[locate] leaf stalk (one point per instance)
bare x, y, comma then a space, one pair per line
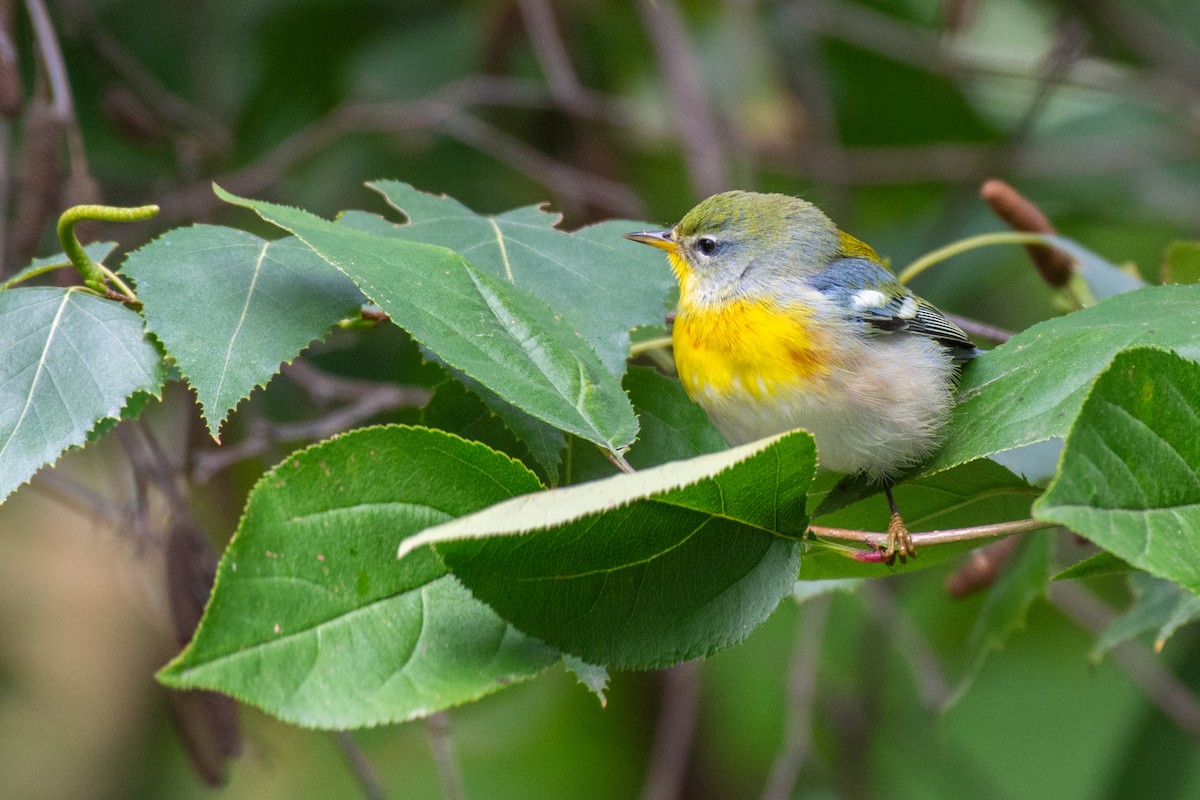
96, 276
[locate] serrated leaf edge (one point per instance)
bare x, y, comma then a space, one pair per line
177, 664
574, 502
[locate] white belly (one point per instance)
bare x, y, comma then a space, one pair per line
880, 414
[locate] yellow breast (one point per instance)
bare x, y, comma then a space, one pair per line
752, 347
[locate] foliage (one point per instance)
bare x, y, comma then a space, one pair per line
486, 392
313, 617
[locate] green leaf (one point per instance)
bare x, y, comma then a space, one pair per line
1030, 388
647, 569
672, 426
1158, 604
544, 442
804, 590
602, 284
1130, 473
1181, 263
593, 677
1102, 563
68, 360
97, 251
978, 493
313, 620
1103, 278
456, 409
230, 307
492, 331
1022, 581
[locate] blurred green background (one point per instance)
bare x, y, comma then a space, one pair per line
889, 114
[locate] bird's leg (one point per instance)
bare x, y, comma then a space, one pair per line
899, 542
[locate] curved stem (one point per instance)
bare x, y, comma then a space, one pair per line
650, 344
618, 460
25, 275
970, 243
94, 275
121, 285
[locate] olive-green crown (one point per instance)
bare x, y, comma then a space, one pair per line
759, 217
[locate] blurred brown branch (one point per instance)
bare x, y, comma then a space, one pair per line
363, 400
692, 117
795, 749
1171, 695
442, 111
666, 773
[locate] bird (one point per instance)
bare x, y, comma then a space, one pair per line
784, 321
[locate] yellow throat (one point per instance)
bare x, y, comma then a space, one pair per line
753, 346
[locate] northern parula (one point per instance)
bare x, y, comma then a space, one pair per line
786, 322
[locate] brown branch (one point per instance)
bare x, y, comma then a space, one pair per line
360, 767
39, 180
562, 178
910, 643
148, 89
674, 733
441, 111
801, 693
10, 70
889, 164
441, 745
54, 483
917, 46
1159, 685
552, 57
692, 115
981, 329
51, 57
926, 538
1157, 43
367, 399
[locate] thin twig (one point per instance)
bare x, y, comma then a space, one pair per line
442, 110
674, 733
892, 164
54, 483
360, 767
552, 56
441, 745
370, 399
564, 179
5, 190
692, 113
1157, 43
617, 460
927, 538
56, 69
981, 329
150, 460
1159, 685
165, 103
910, 643
887, 35
801, 692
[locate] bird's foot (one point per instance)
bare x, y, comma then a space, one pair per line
899, 542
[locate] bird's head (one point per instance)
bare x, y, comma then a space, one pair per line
735, 242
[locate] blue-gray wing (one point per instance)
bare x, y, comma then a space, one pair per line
872, 294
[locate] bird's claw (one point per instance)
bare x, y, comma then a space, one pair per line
899, 542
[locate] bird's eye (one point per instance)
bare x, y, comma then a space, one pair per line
706, 245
